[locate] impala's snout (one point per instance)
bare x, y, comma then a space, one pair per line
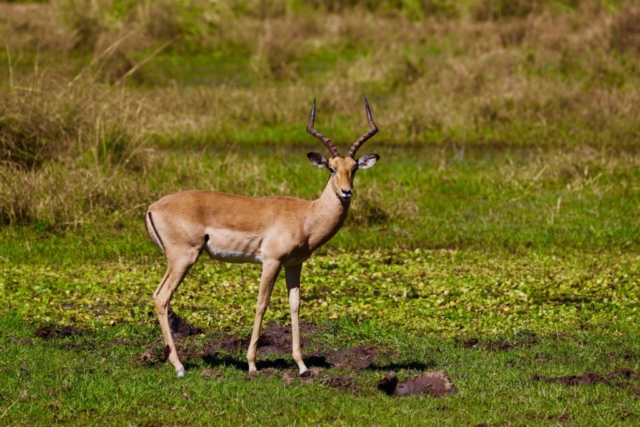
346, 194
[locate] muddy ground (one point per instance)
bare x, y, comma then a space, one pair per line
337, 368
228, 349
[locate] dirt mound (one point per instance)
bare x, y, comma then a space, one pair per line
360, 357
435, 383
277, 339
55, 331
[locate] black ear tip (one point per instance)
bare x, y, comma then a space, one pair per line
310, 155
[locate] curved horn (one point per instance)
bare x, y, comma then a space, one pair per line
326, 141
373, 129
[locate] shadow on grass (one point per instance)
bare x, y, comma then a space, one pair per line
313, 361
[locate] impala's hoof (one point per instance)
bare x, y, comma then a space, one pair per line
305, 374
180, 374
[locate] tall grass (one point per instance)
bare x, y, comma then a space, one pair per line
114, 103
65, 148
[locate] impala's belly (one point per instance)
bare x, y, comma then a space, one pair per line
227, 246
232, 256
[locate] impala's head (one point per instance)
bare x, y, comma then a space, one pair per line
342, 168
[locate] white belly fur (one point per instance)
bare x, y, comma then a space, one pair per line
231, 256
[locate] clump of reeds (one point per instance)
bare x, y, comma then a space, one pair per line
64, 148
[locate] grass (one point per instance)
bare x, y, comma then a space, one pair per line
446, 292
505, 207
500, 200
81, 380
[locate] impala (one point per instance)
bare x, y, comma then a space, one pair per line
275, 231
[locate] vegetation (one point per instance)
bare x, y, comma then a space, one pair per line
505, 208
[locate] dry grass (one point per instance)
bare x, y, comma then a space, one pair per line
489, 73
67, 148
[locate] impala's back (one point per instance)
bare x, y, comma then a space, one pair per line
228, 227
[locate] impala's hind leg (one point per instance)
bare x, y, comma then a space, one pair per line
176, 271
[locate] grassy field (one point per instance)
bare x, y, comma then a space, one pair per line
497, 239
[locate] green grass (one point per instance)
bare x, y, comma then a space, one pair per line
88, 379
445, 292
496, 200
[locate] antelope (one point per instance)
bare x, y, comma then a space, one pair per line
273, 231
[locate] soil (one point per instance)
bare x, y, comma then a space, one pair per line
277, 339
435, 383
588, 378
523, 340
180, 328
360, 357
221, 350
470, 343
54, 331
212, 373
337, 381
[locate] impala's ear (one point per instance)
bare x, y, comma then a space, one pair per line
368, 160
318, 160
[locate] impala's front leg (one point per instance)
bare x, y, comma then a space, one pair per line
270, 270
292, 275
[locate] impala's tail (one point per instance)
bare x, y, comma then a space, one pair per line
153, 233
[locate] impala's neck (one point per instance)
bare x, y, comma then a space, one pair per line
327, 216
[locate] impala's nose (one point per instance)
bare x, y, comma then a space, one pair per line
346, 194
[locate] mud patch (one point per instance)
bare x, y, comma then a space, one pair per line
499, 346
360, 357
316, 375
154, 354
288, 378
180, 328
218, 350
48, 332
470, 343
273, 340
228, 344
337, 381
212, 373
611, 379
277, 339
435, 384
586, 378
522, 340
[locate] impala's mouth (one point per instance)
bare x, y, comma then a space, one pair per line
345, 195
